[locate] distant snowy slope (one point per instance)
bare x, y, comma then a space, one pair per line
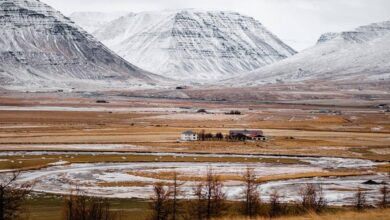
190, 45
91, 21
40, 48
361, 55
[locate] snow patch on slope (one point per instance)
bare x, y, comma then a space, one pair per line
91, 21
361, 55
40, 48
193, 45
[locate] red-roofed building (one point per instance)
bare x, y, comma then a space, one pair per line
256, 135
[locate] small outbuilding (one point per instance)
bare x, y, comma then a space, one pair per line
189, 136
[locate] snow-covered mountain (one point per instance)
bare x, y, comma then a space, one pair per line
40, 48
361, 55
191, 45
91, 21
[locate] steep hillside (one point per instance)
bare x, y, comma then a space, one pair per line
358, 56
40, 48
91, 21
190, 45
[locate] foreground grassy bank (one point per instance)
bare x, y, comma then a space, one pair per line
374, 214
51, 207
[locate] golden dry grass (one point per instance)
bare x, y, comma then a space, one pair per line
310, 175
122, 184
349, 134
377, 214
26, 162
383, 168
168, 175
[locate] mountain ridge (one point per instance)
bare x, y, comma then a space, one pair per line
359, 55
193, 45
91, 20
41, 48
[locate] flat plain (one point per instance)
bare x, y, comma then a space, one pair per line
46, 133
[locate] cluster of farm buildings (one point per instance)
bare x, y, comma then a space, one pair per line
252, 135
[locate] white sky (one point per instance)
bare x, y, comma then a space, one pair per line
299, 23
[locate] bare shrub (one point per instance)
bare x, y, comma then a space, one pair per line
250, 194
78, 206
219, 136
214, 195
197, 207
176, 192
360, 202
12, 196
312, 198
202, 135
210, 199
160, 202
276, 208
384, 190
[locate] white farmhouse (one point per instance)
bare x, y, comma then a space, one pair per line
189, 136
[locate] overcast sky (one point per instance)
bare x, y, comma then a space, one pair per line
298, 22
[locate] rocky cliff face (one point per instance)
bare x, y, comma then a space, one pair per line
358, 56
359, 35
193, 45
41, 48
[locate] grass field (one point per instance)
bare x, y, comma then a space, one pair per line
34, 122
376, 214
358, 132
50, 207
26, 162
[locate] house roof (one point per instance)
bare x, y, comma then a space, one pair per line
252, 133
188, 132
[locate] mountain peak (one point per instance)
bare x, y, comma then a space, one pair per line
91, 21
358, 56
41, 48
193, 45
360, 34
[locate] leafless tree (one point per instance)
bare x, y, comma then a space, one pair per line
210, 198
215, 198
384, 190
176, 192
276, 208
202, 135
78, 206
219, 136
197, 208
252, 201
12, 195
312, 198
360, 199
160, 202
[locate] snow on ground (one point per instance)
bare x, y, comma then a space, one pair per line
121, 177
59, 163
192, 45
62, 177
320, 162
338, 191
78, 147
198, 117
92, 109
86, 176
381, 151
